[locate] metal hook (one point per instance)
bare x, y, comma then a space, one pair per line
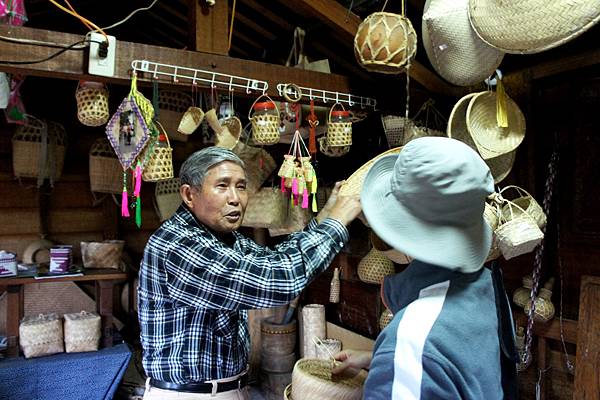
175, 76
231, 84
212, 81
337, 97
155, 75
194, 78
310, 95
248, 87
362, 104
324, 97
350, 102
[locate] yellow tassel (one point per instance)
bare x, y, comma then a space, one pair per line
501, 115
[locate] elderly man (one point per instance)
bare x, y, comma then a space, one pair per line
199, 276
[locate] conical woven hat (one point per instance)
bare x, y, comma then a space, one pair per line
453, 48
457, 129
531, 26
353, 185
490, 139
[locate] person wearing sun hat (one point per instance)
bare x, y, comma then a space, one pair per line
452, 335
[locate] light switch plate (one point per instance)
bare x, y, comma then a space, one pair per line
102, 66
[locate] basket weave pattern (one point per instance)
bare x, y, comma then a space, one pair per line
385, 318
527, 203
106, 172
82, 332
353, 185
167, 197
374, 267
41, 335
311, 379
265, 129
160, 163
92, 105
26, 143
393, 126
105, 254
518, 236
330, 151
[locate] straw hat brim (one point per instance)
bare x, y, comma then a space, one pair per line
460, 248
490, 139
531, 26
353, 185
499, 166
453, 48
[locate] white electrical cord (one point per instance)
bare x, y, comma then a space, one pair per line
129, 16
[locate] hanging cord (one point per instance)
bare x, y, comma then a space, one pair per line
568, 362
231, 25
83, 20
540, 381
539, 251
407, 90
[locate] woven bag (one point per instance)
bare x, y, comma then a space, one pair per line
339, 134
385, 318
526, 202
266, 209
265, 126
259, 165
41, 335
92, 103
167, 198
374, 267
160, 162
312, 379
82, 332
106, 254
517, 235
106, 173
171, 107
385, 43
27, 149
296, 219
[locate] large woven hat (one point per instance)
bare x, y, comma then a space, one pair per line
490, 139
353, 185
457, 129
531, 26
453, 48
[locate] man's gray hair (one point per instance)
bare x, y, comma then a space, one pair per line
194, 169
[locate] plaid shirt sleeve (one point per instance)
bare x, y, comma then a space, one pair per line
204, 272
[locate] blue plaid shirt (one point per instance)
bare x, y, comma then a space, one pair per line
194, 291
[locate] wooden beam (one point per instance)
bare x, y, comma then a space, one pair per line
270, 15
587, 375
570, 63
73, 64
337, 16
262, 32
163, 21
209, 27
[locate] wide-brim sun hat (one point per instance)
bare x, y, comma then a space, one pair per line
353, 185
428, 202
452, 46
457, 129
531, 26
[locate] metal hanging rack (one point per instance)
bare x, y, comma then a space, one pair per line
196, 76
288, 90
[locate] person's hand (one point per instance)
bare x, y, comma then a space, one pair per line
345, 209
324, 213
352, 362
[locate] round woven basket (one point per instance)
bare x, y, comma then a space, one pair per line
160, 162
526, 202
385, 43
191, 120
265, 127
167, 198
389, 252
311, 379
331, 151
106, 173
531, 26
499, 166
339, 134
517, 235
171, 107
385, 318
92, 103
374, 267
453, 48
491, 140
353, 185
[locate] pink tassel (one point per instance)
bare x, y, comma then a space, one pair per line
138, 181
124, 204
295, 186
305, 199
295, 200
283, 184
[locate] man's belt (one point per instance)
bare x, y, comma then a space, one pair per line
201, 387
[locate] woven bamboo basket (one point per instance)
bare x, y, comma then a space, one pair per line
82, 332
311, 379
160, 162
385, 43
374, 267
266, 209
491, 214
27, 148
167, 198
522, 295
171, 107
353, 185
330, 151
104, 255
544, 309
393, 126
41, 335
328, 347
389, 252
265, 126
339, 134
526, 202
191, 120
517, 235
106, 173
385, 318
92, 103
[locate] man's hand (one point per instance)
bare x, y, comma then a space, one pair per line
352, 362
341, 208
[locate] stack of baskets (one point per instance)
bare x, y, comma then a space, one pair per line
277, 356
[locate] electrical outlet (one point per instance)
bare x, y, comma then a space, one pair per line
98, 65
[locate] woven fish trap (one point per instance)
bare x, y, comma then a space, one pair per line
265, 126
531, 26
385, 43
171, 107
331, 151
191, 120
353, 185
167, 198
385, 318
517, 235
311, 379
374, 267
160, 162
82, 332
106, 173
27, 149
393, 127
339, 133
92, 103
41, 335
526, 202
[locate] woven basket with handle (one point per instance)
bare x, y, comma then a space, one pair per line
167, 198
517, 233
265, 126
526, 202
160, 162
339, 134
106, 173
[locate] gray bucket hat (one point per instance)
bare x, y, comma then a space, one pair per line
428, 202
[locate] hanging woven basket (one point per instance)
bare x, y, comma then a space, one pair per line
171, 107
526, 202
167, 198
385, 318
331, 151
159, 164
394, 128
517, 233
265, 126
106, 173
92, 103
339, 133
374, 267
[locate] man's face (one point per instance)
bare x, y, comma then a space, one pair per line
221, 200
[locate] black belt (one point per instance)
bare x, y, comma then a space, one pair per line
201, 387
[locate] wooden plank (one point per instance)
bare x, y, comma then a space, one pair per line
587, 375
26, 220
551, 330
73, 64
349, 339
269, 14
88, 275
17, 243
209, 27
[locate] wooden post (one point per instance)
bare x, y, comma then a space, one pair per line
14, 311
209, 27
104, 306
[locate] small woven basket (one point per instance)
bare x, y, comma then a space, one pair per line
330, 151
41, 335
106, 173
160, 162
526, 202
92, 103
191, 120
517, 235
339, 134
265, 127
105, 254
82, 332
171, 107
374, 267
27, 148
491, 214
393, 126
311, 379
385, 318
167, 198
385, 43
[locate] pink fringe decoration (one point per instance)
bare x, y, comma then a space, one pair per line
124, 205
295, 186
295, 200
282, 184
305, 199
138, 181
